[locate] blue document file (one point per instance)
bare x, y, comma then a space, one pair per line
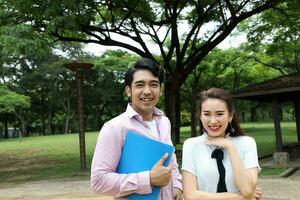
141, 153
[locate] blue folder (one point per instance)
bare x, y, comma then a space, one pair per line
141, 153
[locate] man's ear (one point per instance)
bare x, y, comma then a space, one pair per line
128, 90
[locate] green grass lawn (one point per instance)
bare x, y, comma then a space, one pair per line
263, 133
57, 156
43, 157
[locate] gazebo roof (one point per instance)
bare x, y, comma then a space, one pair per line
284, 88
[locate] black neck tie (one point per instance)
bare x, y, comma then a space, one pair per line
218, 155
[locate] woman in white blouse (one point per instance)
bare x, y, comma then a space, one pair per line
222, 163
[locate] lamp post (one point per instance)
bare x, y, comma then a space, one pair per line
80, 69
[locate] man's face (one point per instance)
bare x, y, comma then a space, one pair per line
144, 92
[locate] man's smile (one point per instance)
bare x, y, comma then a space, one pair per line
146, 99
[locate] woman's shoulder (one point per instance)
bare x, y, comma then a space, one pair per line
244, 140
193, 140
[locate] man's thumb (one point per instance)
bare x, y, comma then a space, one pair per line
163, 159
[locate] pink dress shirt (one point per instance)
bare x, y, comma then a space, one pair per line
108, 150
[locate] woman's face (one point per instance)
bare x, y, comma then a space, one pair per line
215, 117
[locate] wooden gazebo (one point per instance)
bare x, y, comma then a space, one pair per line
276, 91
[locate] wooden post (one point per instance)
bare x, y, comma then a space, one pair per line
297, 116
79, 85
79, 68
276, 119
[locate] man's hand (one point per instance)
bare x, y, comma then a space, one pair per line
177, 194
160, 175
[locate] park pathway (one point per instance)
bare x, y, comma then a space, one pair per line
274, 188
69, 189
277, 188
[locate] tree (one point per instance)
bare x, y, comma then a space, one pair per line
33, 64
107, 82
10, 102
206, 75
275, 37
109, 22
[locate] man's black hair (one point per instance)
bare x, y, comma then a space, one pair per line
145, 64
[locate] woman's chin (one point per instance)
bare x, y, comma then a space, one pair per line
215, 134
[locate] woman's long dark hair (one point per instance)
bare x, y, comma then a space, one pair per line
218, 93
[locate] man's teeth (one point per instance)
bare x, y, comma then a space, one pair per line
146, 99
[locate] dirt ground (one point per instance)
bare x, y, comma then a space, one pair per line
72, 189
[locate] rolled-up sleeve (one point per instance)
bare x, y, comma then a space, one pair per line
176, 176
104, 178
250, 157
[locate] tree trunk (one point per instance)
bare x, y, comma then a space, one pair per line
194, 119
5, 126
172, 109
67, 121
43, 115
24, 128
67, 125
49, 121
253, 116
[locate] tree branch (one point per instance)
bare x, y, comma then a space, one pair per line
106, 42
221, 11
271, 66
242, 5
160, 43
212, 42
198, 23
139, 39
230, 7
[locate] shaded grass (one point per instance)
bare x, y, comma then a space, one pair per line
272, 171
43, 157
264, 135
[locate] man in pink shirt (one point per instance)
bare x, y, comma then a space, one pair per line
143, 87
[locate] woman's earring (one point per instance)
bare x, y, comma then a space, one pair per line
231, 128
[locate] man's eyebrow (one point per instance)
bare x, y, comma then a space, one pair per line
138, 81
142, 81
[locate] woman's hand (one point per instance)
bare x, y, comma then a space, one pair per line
177, 194
257, 194
219, 141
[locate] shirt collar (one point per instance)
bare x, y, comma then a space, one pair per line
205, 136
132, 113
